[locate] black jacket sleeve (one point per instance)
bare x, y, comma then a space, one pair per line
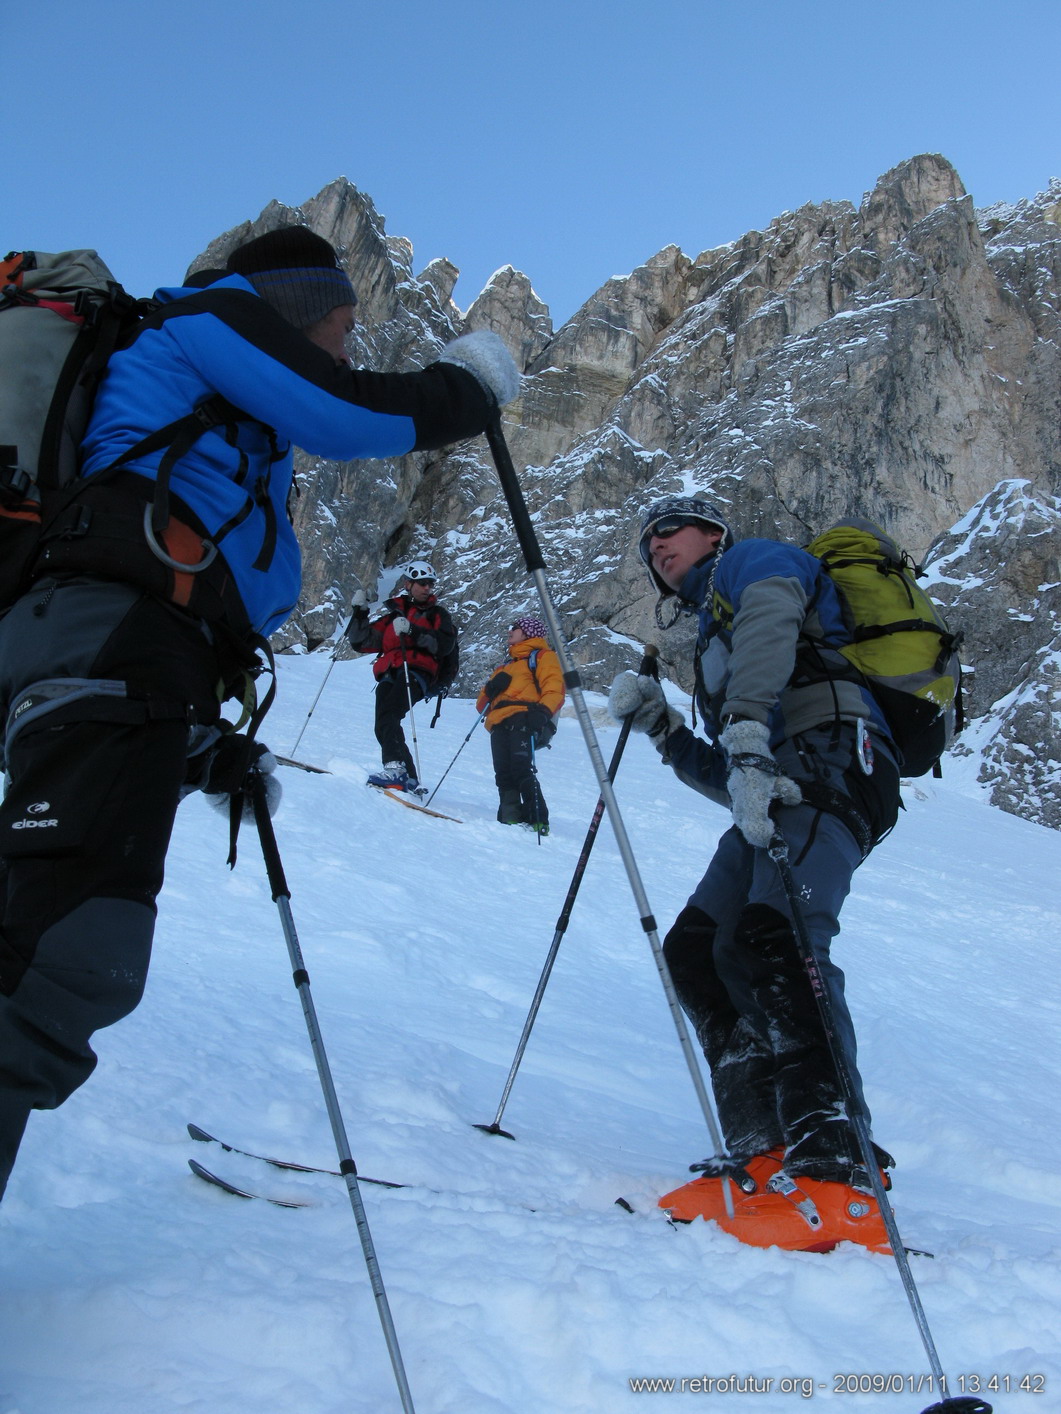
363, 636
445, 634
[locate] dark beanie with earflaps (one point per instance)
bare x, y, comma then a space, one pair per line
296, 271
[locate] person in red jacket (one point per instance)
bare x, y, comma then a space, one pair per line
413, 636
521, 698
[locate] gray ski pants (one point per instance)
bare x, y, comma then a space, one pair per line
739, 977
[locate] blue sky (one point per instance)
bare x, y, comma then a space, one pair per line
570, 139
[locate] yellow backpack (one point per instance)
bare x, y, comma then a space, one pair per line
899, 641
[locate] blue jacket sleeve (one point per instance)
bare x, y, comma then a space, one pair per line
242, 348
698, 764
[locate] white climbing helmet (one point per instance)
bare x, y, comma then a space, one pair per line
419, 570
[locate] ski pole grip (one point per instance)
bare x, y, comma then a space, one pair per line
274, 867
649, 663
506, 473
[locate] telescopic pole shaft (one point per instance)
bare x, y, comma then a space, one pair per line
282, 898
460, 748
327, 675
528, 541
313, 708
648, 666
856, 1113
412, 713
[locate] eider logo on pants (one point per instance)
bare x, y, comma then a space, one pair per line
37, 808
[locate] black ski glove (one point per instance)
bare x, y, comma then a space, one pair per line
540, 721
496, 686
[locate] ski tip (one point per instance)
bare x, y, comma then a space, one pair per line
226, 1187
212, 1178
402, 798
201, 1135
626, 1206
303, 766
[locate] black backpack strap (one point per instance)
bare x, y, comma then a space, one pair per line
107, 320
178, 438
254, 719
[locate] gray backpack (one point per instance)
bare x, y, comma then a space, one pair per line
61, 317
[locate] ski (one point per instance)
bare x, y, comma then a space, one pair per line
302, 765
223, 1183
204, 1138
400, 797
291, 1166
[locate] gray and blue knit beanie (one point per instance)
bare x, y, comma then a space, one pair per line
296, 271
671, 511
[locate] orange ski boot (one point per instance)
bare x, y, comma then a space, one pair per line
803, 1215
847, 1214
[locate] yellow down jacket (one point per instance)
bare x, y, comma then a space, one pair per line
542, 687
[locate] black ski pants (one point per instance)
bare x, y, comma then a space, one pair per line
395, 697
95, 765
512, 747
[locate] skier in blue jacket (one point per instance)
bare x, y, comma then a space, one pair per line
795, 743
150, 587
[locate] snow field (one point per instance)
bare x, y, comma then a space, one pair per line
517, 1286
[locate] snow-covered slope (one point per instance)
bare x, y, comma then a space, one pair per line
517, 1286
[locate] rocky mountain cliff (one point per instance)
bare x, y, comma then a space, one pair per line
898, 360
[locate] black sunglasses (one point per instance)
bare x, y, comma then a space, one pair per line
664, 528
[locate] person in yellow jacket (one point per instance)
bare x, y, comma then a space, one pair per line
521, 697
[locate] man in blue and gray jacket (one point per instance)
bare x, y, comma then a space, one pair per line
796, 744
150, 587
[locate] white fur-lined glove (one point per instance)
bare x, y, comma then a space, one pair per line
483, 354
224, 774
640, 698
754, 780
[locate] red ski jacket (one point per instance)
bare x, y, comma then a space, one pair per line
431, 637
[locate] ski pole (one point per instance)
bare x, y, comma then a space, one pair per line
327, 675
532, 554
856, 1114
537, 790
648, 667
309, 714
282, 898
412, 714
460, 748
